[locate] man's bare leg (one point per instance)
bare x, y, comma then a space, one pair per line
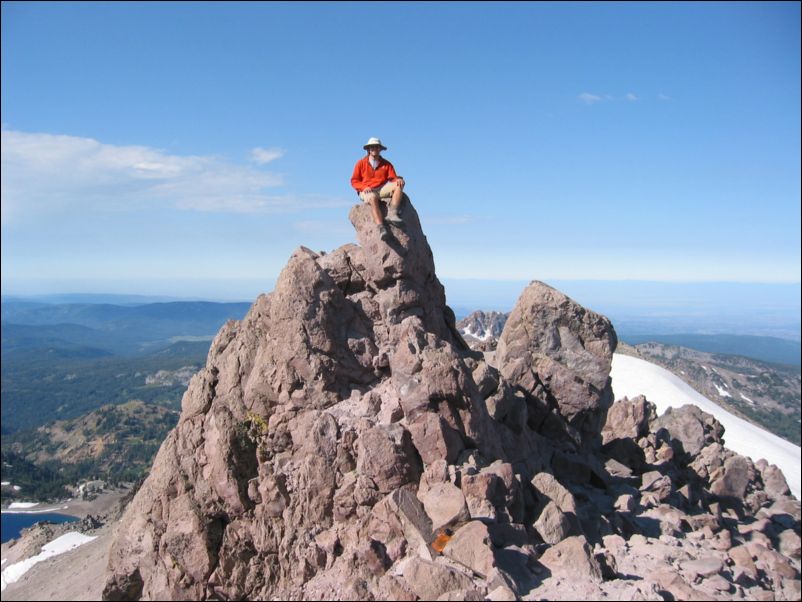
398, 194
373, 199
395, 201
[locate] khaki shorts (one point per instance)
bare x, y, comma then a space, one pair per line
385, 192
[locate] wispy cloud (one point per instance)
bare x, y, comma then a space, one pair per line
266, 155
49, 174
589, 99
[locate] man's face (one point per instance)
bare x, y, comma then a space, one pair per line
374, 150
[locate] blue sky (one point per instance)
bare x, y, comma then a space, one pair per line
189, 148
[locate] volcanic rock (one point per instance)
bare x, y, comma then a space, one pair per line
690, 428
344, 442
563, 365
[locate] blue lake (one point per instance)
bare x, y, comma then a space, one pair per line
13, 523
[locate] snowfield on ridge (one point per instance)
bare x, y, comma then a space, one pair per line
633, 376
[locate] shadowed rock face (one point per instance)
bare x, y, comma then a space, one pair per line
559, 354
343, 442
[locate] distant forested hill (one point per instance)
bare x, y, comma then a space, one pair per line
40, 387
90, 390
67, 340
118, 329
115, 443
60, 361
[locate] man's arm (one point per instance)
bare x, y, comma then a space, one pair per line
356, 177
391, 175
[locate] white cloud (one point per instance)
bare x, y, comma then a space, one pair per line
589, 98
52, 174
266, 155
662, 96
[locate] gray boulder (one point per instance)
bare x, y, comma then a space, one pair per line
690, 428
572, 558
559, 353
629, 419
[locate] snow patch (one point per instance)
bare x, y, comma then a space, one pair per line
9, 510
746, 398
632, 377
469, 332
22, 505
65, 543
722, 391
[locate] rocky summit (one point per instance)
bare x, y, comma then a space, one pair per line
343, 442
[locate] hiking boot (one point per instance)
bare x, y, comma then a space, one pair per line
393, 217
384, 233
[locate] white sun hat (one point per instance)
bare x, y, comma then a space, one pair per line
374, 141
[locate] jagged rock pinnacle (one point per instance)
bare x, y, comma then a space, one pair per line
343, 442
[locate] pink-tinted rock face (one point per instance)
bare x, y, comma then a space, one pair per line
343, 442
340, 385
559, 354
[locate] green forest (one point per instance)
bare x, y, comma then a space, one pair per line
42, 389
130, 435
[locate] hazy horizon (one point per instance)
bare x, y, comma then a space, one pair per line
244, 289
636, 307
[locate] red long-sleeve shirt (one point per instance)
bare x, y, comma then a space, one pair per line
366, 177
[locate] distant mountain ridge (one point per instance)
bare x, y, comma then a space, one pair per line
118, 329
767, 349
482, 329
94, 298
105, 315
67, 340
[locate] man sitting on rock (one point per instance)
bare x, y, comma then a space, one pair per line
374, 178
